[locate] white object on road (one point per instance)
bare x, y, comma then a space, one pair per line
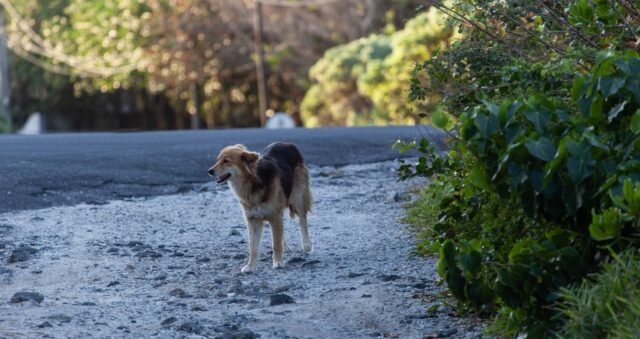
280, 120
33, 125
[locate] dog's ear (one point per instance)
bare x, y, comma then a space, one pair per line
250, 157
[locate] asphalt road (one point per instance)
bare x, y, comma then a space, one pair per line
68, 169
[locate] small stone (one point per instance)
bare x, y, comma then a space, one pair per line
239, 256
280, 299
149, 254
168, 321
134, 244
394, 196
447, 332
354, 274
26, 296
88, 303
177, 254
198, 309
37, 218
295, 260
365, 296
238, 334
388, 277
203, 260
60, 319
311, 263
113, 250
160, 277
234, 233
190, 327
44, 325
21, 254
179, 293
113, 283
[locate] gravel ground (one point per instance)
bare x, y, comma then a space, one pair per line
169, 267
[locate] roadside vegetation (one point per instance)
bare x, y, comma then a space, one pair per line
535, 209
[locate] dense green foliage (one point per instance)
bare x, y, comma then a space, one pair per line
605, 305
364, 82
542, 180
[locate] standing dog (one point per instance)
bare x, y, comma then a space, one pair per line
265, 186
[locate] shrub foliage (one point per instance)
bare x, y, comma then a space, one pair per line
542, 181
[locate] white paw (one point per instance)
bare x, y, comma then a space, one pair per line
277, 264
246, 269
306, 246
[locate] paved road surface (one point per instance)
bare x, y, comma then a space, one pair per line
67, 169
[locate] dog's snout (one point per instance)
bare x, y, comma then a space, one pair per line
212, 172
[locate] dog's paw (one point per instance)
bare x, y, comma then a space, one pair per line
306, 246
278, 264
246, 269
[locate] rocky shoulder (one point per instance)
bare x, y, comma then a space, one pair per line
170, 266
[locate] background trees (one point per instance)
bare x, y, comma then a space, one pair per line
149, 65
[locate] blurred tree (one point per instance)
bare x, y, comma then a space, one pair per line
149, 64
367, 81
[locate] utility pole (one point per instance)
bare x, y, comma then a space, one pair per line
4, 74
195, 111
260, 72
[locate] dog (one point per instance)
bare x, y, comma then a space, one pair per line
266, 185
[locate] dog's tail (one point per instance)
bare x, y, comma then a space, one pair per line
301, 200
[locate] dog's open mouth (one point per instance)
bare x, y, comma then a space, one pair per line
223, 178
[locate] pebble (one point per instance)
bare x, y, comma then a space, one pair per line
160, 277
44, 325
311, 263
149, 254
134, 243
203, 260
388, 277
295, 260
234, 233
168, 321
447, 332
113, 283
190, 327
60, 318
26, 296
238, 334
179, 293
280, 299
21, 254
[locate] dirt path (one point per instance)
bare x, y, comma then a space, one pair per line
170, 267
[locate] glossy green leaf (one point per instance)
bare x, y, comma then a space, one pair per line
610, 85
615, 110
539, 119
542, 148
439, 119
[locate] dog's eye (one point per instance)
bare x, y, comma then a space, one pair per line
225, 161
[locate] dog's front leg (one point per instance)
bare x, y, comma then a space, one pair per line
254, 228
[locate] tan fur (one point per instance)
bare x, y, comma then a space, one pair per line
241, 164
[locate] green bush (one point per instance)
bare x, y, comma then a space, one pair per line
364, 81
606, 305
533, 190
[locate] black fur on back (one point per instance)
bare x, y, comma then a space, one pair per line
279, 158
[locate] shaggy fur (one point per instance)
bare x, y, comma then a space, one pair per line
266, 185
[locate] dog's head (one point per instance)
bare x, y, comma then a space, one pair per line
234, 162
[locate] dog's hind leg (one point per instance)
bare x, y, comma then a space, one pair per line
304, 233
254, 227
277, 240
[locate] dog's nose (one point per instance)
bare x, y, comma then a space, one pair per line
212, 172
